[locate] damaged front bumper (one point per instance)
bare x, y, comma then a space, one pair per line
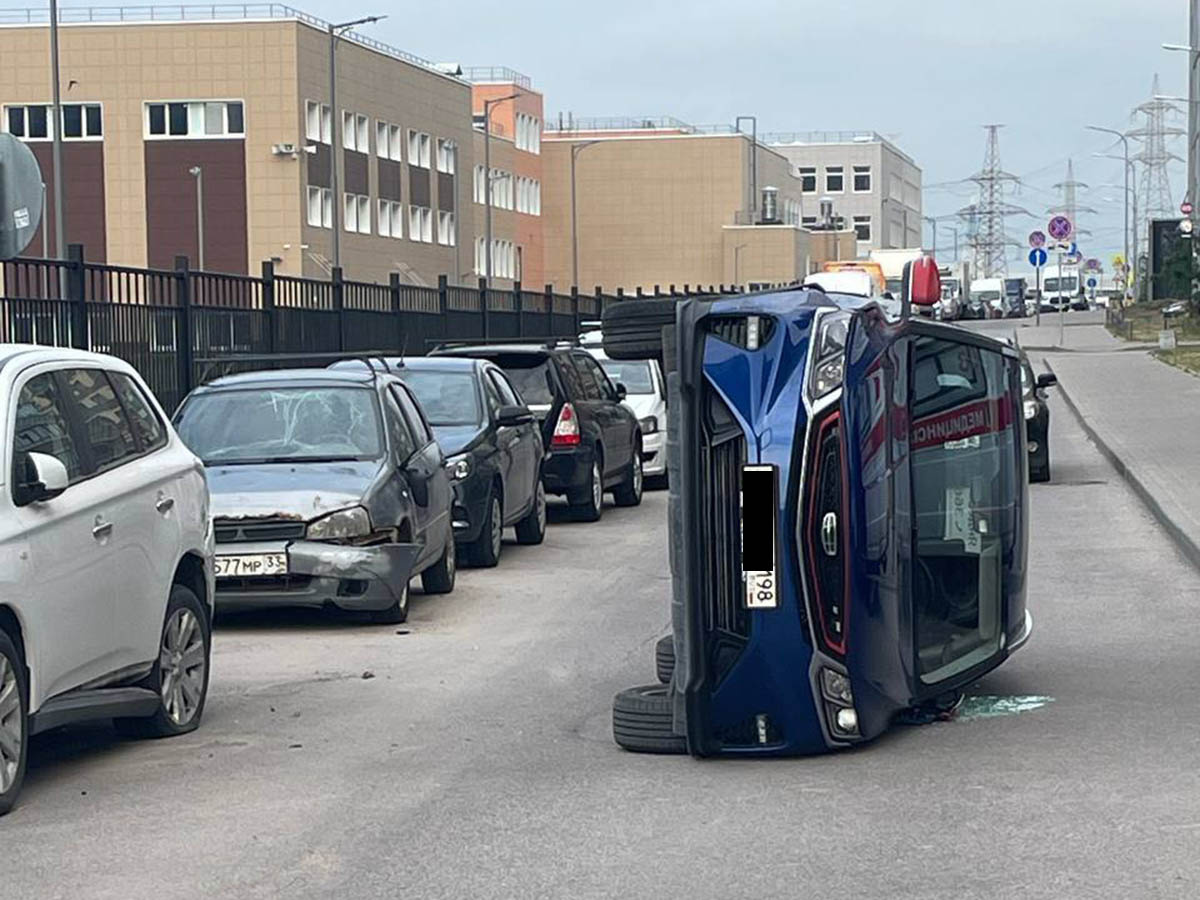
320, 574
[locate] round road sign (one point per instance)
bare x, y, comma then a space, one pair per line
1186, 207
1060, 228
1091, 282
1093, 264
1037, 257
1037, 239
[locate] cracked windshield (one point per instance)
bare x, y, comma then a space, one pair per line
509, 452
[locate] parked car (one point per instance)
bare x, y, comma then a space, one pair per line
328, 490
593, 442
1037, 419
493, 450
105, 556
646, 397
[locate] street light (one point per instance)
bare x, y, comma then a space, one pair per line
487, 181
1192, 195
198, 173
1125, 145
932, 224
576, 149
335, 32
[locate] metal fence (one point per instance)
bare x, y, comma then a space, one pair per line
171, 324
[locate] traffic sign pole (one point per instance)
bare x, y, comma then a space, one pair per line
1062, 312
1037, 316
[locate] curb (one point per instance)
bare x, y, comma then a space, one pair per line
1188, 547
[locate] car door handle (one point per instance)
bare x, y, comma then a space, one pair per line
101, 529
164, 504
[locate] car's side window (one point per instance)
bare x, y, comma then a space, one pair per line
571, 378
145, 420
42, 426
492, 393
507, 393
109, 432
403, 442
591, 372
417, 425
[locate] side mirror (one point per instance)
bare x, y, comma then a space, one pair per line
45, 477
1047, 379
622, 393
508, 416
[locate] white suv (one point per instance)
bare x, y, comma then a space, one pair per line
106, 577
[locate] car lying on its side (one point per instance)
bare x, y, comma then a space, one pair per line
328, 490
105, 556
593, 442
493, 450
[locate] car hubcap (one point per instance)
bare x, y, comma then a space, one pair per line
637, 474
182, 665
541, 507
10, 725
497, 527
597, 486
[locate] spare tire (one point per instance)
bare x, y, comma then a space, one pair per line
633, 328
642, 721
664, 658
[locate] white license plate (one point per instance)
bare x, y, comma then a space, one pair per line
251, 565
761, 590
760, 492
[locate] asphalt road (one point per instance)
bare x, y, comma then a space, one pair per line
477, 760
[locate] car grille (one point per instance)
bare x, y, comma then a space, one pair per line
233, 531
263, 584
826, 545
735, 330
722, 455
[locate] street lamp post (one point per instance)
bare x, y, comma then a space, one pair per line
1125, 145
198, 173
1193, 161
576, 149
487, 181
335, 153
56, 122
932, 224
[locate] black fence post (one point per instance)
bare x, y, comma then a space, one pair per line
639, 292
549, 297
268, 302
575, 307
79, 330
339, 304
398, 313
620, 294
483, 308
599, 312
443, 295
187, 346
657, 290
671, 290
516, 295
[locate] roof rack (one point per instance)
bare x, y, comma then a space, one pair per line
369, 358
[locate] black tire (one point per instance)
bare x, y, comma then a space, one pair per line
1040, 474
16, 715
484, 551
670, 351
664, 658
629, 491
186, 624
532, 528
642, 721
394, 614
587, 504
439, 578
633, 328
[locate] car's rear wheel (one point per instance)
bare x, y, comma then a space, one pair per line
629, 492
439, 578
642, 721
587, 504
396, 613
532, 528
180, 674
14, 723
664, 658
484, 551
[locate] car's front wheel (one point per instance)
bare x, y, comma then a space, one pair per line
180, 674
439, 578
396, 613
484, 551
14, 723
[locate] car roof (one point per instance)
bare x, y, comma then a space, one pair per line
352, 376
492, 351
37, 353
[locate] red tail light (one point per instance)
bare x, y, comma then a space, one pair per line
566, 429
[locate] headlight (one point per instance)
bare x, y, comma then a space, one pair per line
649, 424
458, 467
345, 523
1031, 409
829, 350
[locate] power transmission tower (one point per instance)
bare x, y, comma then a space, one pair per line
1070, 206
1155, 187
987, 239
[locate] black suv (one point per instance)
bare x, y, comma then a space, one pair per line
593, 442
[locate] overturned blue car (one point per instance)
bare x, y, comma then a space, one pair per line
849, 519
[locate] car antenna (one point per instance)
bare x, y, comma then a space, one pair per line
403, 349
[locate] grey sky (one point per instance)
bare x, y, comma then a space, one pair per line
927, 73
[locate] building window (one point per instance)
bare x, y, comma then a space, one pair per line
480, 196
862, 179
808, 221
862, 228
808, 179
418, 149
835, 179
479, 260
447, 156
445, 229
529, 133
529, 196
320, 207
195, 119
80, 122
318, 122
391, 218
357, 209
356, 131
504, 259
502, 189
420, 224
387, 141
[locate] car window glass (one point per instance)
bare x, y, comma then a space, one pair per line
507, 394
446, 398
413, 415
634, 374
400, 431
492, 394
582, 385
145, 419
533, 382
41, 424
109, 432
591, 370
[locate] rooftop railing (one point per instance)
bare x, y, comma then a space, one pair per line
500, 74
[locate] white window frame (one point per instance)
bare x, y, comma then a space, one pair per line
855, 172
479, 187
480, 260
391, 218
802, 172
318, 115
324, 200
395, 143
348, 132
418, 148
363, 132
447, 156
857, 221
364, 214
350, 211
445, 229
835, 171
382, 139
196, 114
420, 224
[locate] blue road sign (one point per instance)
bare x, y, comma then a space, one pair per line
1074, 251
1091, 282
1037, 257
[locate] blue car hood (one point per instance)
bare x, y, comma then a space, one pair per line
288, 490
